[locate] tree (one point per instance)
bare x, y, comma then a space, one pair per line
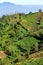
30, 12
40, 10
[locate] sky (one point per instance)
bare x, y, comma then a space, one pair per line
24, 2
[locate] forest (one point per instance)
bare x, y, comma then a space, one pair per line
21, 39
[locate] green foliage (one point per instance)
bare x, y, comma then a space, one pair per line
19, 34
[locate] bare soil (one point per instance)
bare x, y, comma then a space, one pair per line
37, 54
2, 55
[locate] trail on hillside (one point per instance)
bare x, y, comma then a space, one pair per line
36, 55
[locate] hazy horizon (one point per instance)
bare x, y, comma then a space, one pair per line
7, 8
24, 2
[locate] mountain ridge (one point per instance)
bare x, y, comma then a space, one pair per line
11, 8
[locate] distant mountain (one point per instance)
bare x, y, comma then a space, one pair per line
10, 8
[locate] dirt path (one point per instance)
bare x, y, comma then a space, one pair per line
34, 55
37, 54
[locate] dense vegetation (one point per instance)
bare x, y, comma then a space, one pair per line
20, 35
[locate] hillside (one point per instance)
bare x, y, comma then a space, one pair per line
20, 36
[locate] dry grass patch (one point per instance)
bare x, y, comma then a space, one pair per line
2, 55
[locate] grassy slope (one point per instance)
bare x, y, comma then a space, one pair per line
10, 43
